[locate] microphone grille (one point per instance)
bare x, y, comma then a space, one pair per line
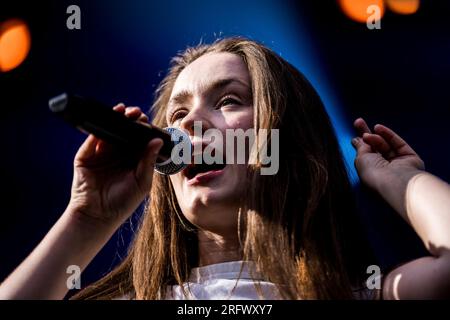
168, 167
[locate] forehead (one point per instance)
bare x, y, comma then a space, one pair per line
209, 68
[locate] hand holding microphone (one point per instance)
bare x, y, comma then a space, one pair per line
107, 187
93, 117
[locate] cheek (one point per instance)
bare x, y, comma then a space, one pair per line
243, 120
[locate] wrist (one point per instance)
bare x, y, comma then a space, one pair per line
392, 186
395, 180
82, 220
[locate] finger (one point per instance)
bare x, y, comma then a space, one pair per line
360, 146
87, 149
361, 126
377, 143
394, 140
133, 112
144, 170
143, 118
119, 108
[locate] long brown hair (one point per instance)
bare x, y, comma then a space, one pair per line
299, 225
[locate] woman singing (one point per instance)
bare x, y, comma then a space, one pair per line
229, 232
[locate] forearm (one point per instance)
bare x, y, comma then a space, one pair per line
43, 274
423, 200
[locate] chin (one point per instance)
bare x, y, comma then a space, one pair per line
215, 221
213, 209
205, 199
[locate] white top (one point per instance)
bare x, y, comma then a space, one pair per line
235, 280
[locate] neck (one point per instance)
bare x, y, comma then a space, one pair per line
216, 248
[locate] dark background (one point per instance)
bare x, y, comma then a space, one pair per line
398, 76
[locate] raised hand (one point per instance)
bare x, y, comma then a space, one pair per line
382, 155
108, 185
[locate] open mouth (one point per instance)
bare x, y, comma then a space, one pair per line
197, 169
201, 169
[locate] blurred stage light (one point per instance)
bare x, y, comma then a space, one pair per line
357, 9
15, 44
403, 6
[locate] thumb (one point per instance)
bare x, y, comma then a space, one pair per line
86, 151
145, 167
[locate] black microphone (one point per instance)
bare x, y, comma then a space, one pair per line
94, 117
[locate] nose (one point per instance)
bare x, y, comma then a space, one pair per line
198, 117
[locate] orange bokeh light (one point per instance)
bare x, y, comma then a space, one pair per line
357, 9
403, 6
15, 42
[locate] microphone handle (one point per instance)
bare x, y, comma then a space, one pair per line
93, 117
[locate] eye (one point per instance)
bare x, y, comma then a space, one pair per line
176, 115
228, 101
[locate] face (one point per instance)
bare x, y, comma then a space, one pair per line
215, 89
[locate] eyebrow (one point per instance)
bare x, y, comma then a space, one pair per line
183, 95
